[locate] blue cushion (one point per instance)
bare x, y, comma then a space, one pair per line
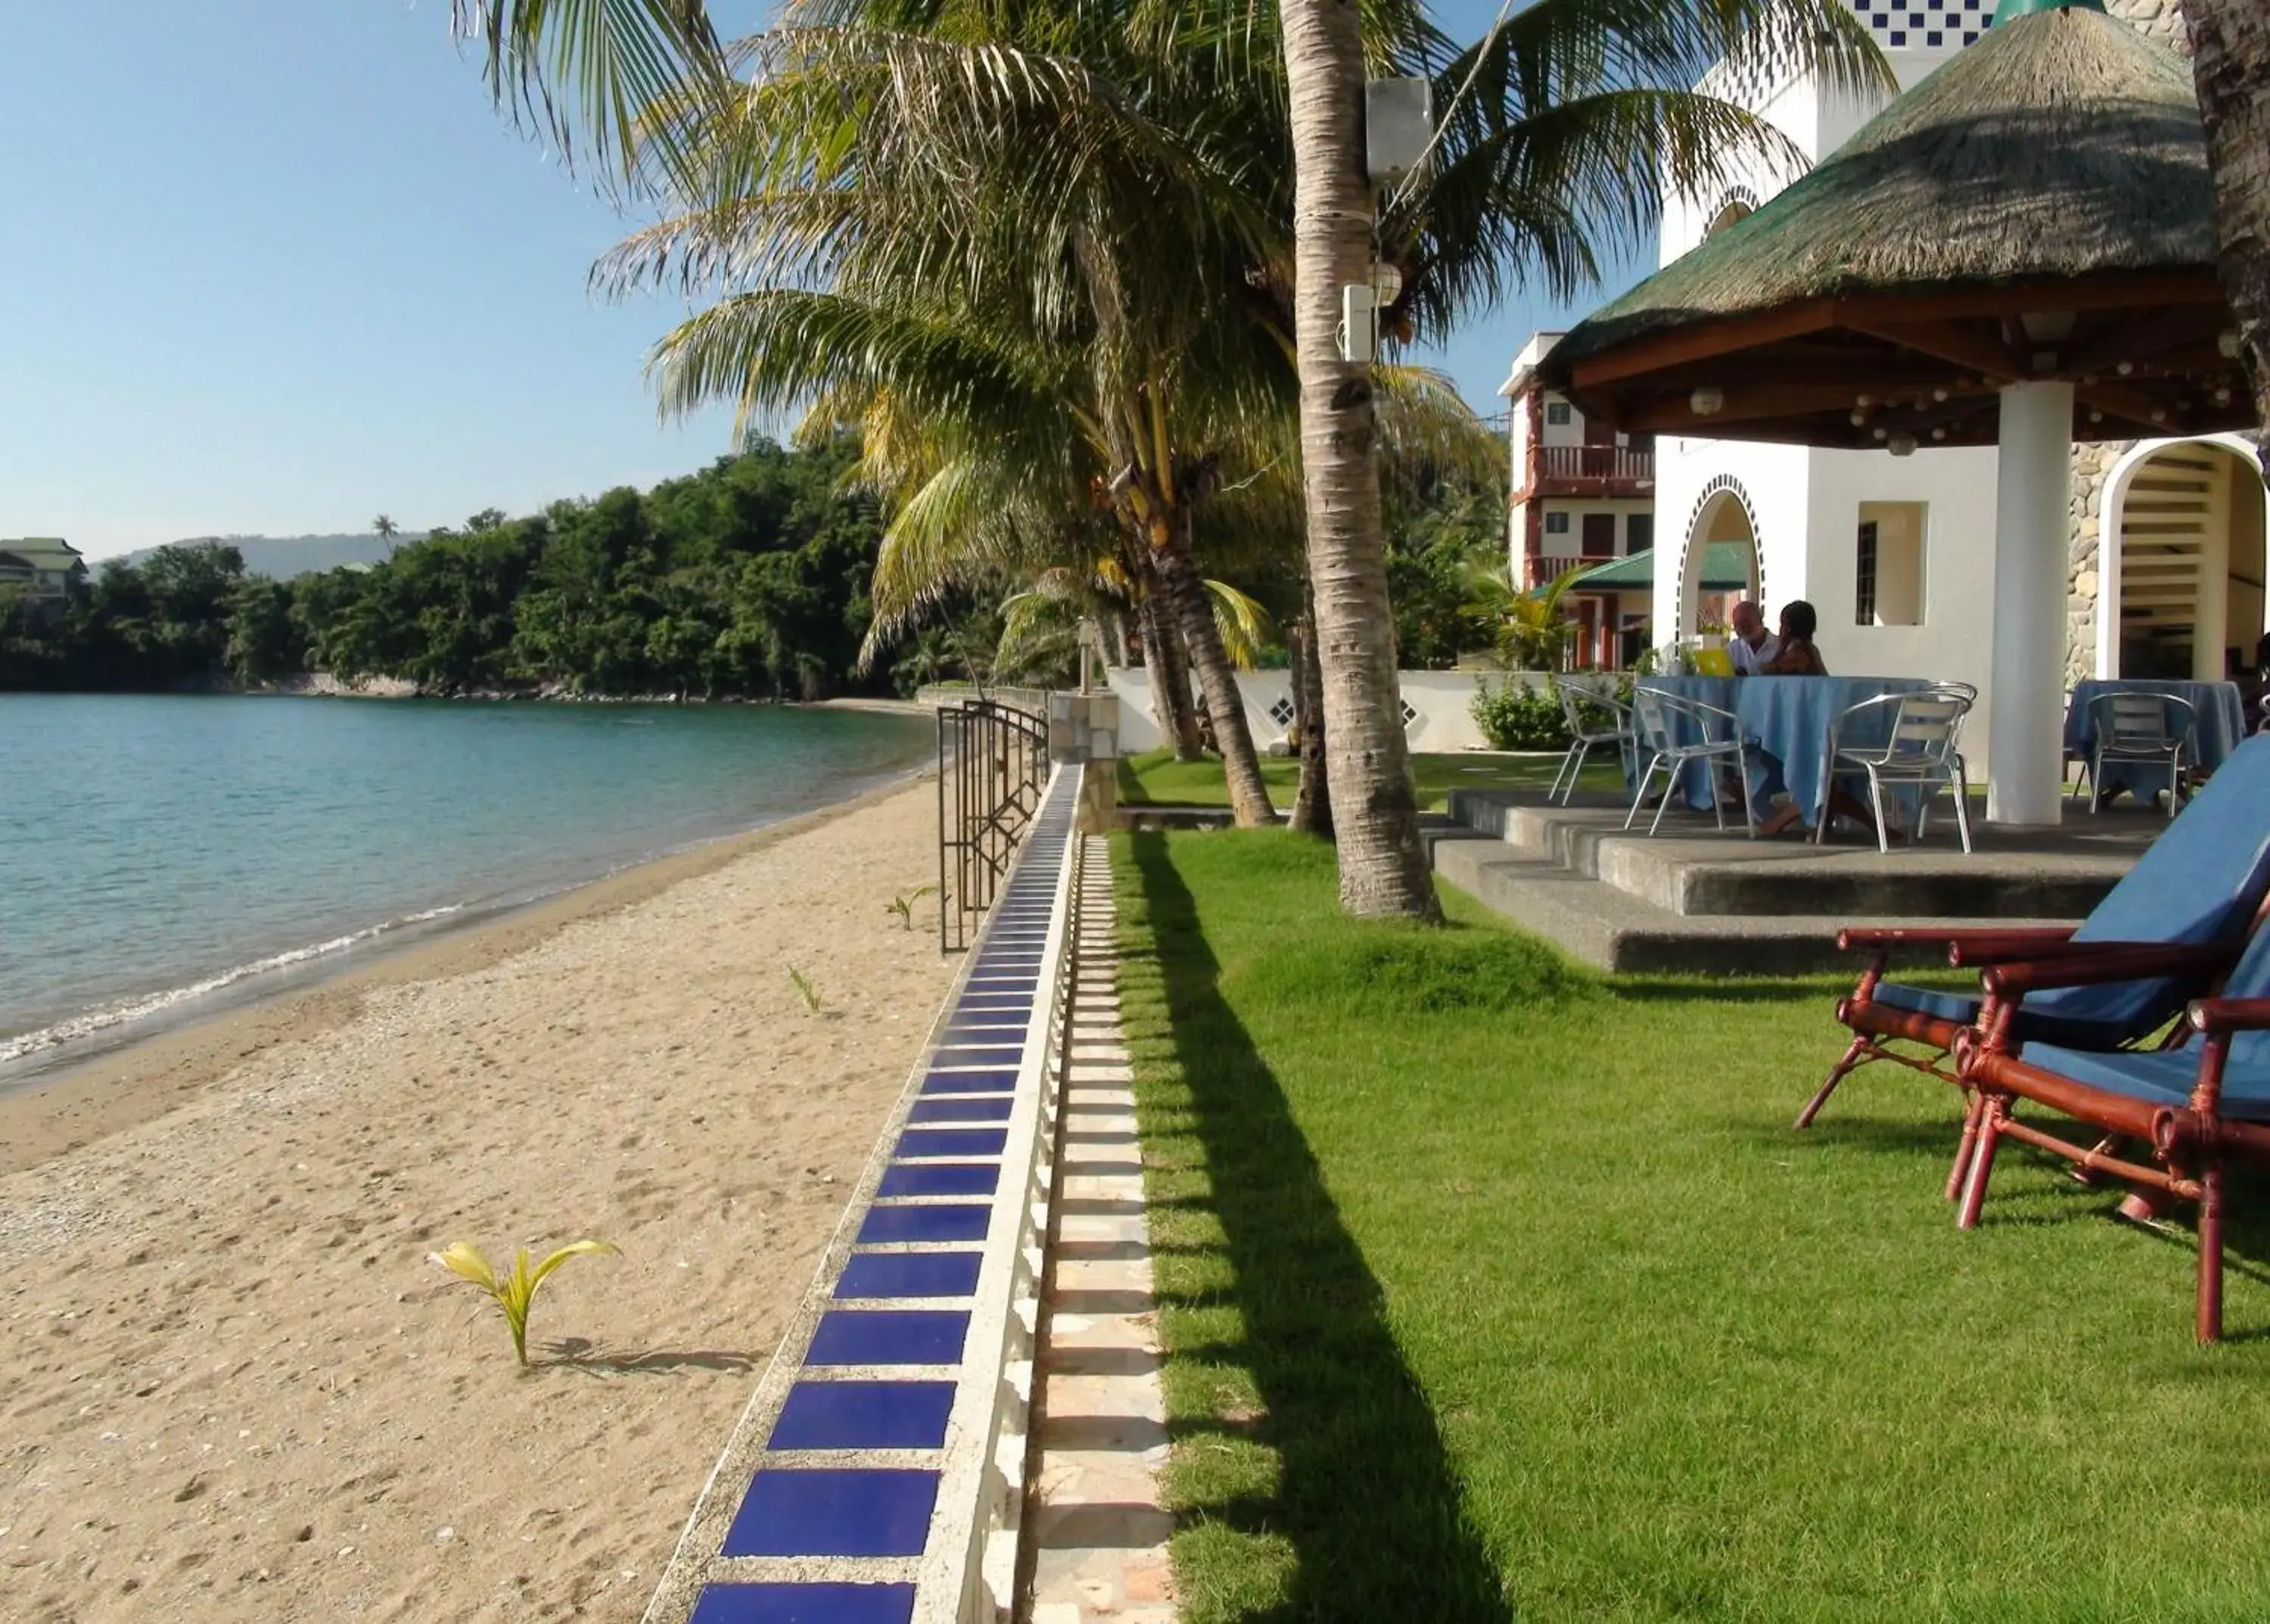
2044, 1026
2161, 1078
2202, 881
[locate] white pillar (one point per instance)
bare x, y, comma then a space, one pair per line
2032, 501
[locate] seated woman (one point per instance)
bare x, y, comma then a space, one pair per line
1798, 657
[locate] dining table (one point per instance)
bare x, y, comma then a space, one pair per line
2218, 727
1784, 723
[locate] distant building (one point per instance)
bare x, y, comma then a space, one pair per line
40, 567
1583, 493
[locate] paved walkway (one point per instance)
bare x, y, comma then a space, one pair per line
1098, 1535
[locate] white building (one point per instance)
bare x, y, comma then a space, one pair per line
1896, 553
40, 567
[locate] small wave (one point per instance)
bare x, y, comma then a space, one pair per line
119, 1014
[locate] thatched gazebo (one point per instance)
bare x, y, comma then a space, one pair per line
2020, 250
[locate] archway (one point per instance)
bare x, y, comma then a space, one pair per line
1718, 562
1738, 201
2180, 561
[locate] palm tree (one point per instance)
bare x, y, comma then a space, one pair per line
2230, 64
385, 528
1527, 629
1558, 161
1028, 294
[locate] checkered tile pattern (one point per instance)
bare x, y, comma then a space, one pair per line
1925, 24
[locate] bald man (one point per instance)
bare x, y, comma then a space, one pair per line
1751, 646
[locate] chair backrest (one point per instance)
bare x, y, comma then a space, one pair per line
2128, 720
2203, 881
1928, 724
1589, 706
1651, 711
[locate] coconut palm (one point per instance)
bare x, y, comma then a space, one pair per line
1113, 177
386, 530
1029, 294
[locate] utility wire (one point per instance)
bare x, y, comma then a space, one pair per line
1481, 55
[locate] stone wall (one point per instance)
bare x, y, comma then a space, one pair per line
2162, 21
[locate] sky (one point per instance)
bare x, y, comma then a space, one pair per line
278, 266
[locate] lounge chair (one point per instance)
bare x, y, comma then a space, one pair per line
2202, 884
2195, 1107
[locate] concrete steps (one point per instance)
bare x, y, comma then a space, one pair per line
1694, 900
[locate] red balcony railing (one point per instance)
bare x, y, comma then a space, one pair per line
1620, 462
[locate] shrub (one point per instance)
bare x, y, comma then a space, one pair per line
1517, 717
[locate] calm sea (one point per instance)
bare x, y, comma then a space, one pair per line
158, 854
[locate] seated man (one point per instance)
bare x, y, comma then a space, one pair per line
1751, 646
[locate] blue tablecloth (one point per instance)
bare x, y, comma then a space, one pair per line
2219, 714
1786, 721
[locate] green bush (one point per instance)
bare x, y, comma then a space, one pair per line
1517, 717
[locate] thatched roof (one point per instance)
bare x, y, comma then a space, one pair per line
2062, 151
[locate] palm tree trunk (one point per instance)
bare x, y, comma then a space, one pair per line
1241, 763
1312, 805
1171, 681
2230, 65
1383, 867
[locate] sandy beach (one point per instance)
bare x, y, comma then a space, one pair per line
231, 1385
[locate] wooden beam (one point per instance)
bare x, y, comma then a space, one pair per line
1972, 348
2143, 337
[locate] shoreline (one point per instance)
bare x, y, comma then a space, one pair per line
236, 1386
51, 1111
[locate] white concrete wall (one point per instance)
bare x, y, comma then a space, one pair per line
1444, 699
1955, 640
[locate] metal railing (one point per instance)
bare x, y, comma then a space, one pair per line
1032, 702
993, 761
1597, 463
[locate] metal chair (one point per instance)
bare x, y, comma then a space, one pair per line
1717, 736
1918, 748
2144, 730
1585, 704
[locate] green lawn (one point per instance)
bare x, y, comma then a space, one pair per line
1156, 779
1493, 1288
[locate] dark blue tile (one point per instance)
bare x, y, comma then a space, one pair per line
970, 1082
939, 1178
909, 1274
957, 1222
1011, 1021
960, 1054
951, 1142
959, 1110
863, 1415
888, 1337
995, 1004
804, 1604
790, 1512
1001, 984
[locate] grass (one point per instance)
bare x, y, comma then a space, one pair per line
1495, 1288
1156, 779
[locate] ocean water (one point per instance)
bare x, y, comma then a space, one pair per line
158, 854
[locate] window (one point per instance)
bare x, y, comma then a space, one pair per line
1600, 540
1639, 533
1556, 414
1863, 586
1888, 583
1556, 524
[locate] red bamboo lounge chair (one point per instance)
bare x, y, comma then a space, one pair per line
2202, 884
2194, 1108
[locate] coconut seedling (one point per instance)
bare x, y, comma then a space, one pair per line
513, 1292
810, 993
903, 905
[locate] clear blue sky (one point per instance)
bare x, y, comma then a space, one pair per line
276, 266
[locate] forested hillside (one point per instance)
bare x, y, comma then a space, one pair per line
748, 579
